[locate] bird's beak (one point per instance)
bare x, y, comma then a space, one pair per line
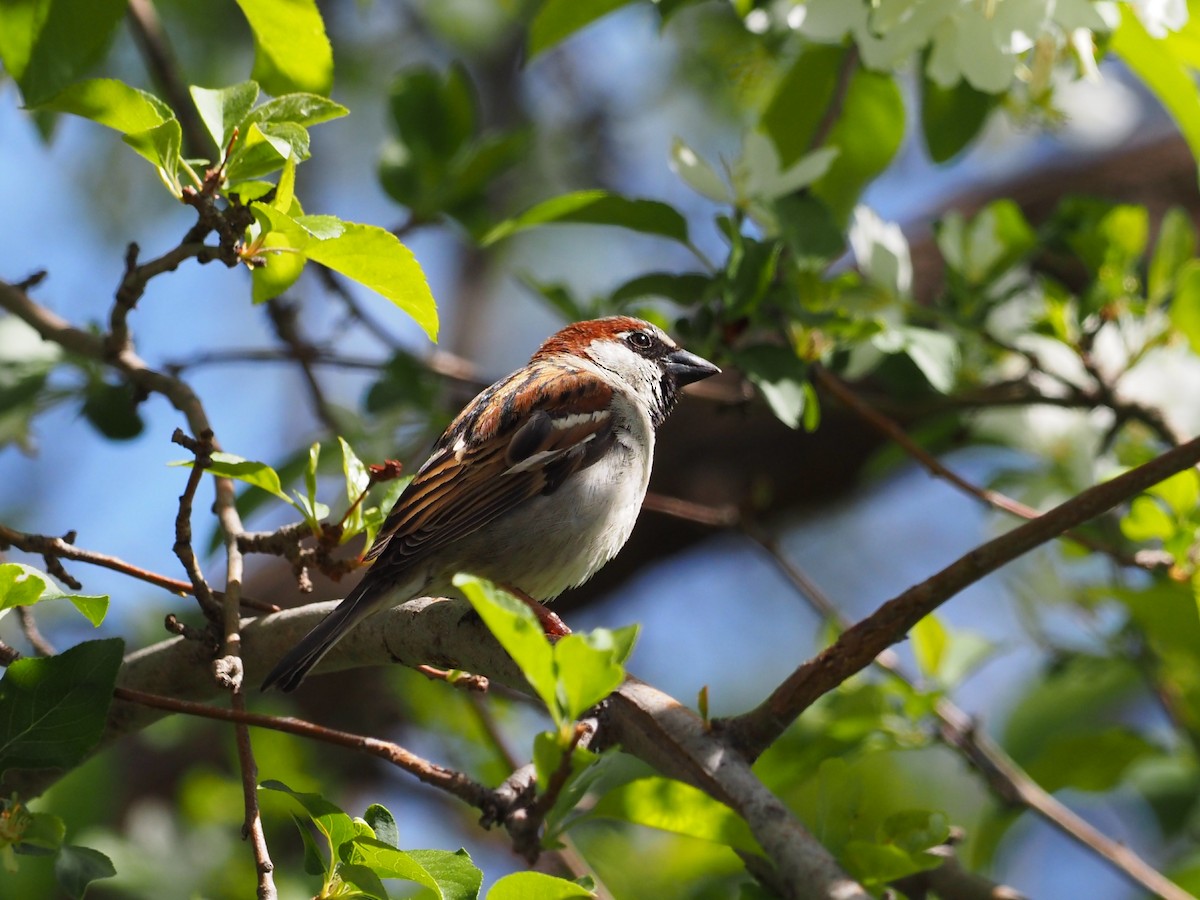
686, 367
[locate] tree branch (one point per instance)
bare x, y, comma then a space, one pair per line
52, 549
892, 430
858, 646
1008, 780
643, 720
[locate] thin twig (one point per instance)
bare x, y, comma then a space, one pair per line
890, 429
201, 448
55, 548
302, 352
8, 655
252, 827
1003, 775
37, 641
833, 110
858, 646
441, 777
156, 50
228, 356
701, 514
136, 277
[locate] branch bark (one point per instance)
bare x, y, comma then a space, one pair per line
642, 719
858, 646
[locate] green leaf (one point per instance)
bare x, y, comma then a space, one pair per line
1163, 74
987, 246
1095, 761
1147, 520
44, 831
597, 208
779, 374
760, 174
77, 867
929, 641
301, 109
799, 103
457, 877
686, 289
952, 117
387, 862
935, 353
1181, 491
256, 154
334, 825
876, 864
291, 50
53, 709
223, 109
375, 258
915, 830
259, 474
47, 44
1185, 306
358, 479
112, 409
518, 631
361, 879
535, 886
383, 823
809, 229
1176, 245
161, 146
314, 862
559, 19
283, 264
22, 585
111, 103
868, 133
698, 174
679, 808
589, 667
434, 114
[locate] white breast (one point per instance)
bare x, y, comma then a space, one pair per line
558, 541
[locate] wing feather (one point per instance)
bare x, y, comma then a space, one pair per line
522, 437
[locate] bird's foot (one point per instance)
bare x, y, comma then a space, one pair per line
551, 624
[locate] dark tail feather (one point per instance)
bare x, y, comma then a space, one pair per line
290, 670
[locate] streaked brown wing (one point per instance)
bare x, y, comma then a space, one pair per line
521, 437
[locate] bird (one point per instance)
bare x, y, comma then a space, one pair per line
535, 485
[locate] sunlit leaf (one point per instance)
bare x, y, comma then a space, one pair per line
291, 50
259, 474
535, 886
222, 109
670, 805
22, 585
519, 632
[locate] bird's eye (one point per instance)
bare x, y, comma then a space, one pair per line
639, 340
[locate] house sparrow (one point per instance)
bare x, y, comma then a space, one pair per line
535, 485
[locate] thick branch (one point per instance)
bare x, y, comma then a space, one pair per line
643, 720
858, 646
